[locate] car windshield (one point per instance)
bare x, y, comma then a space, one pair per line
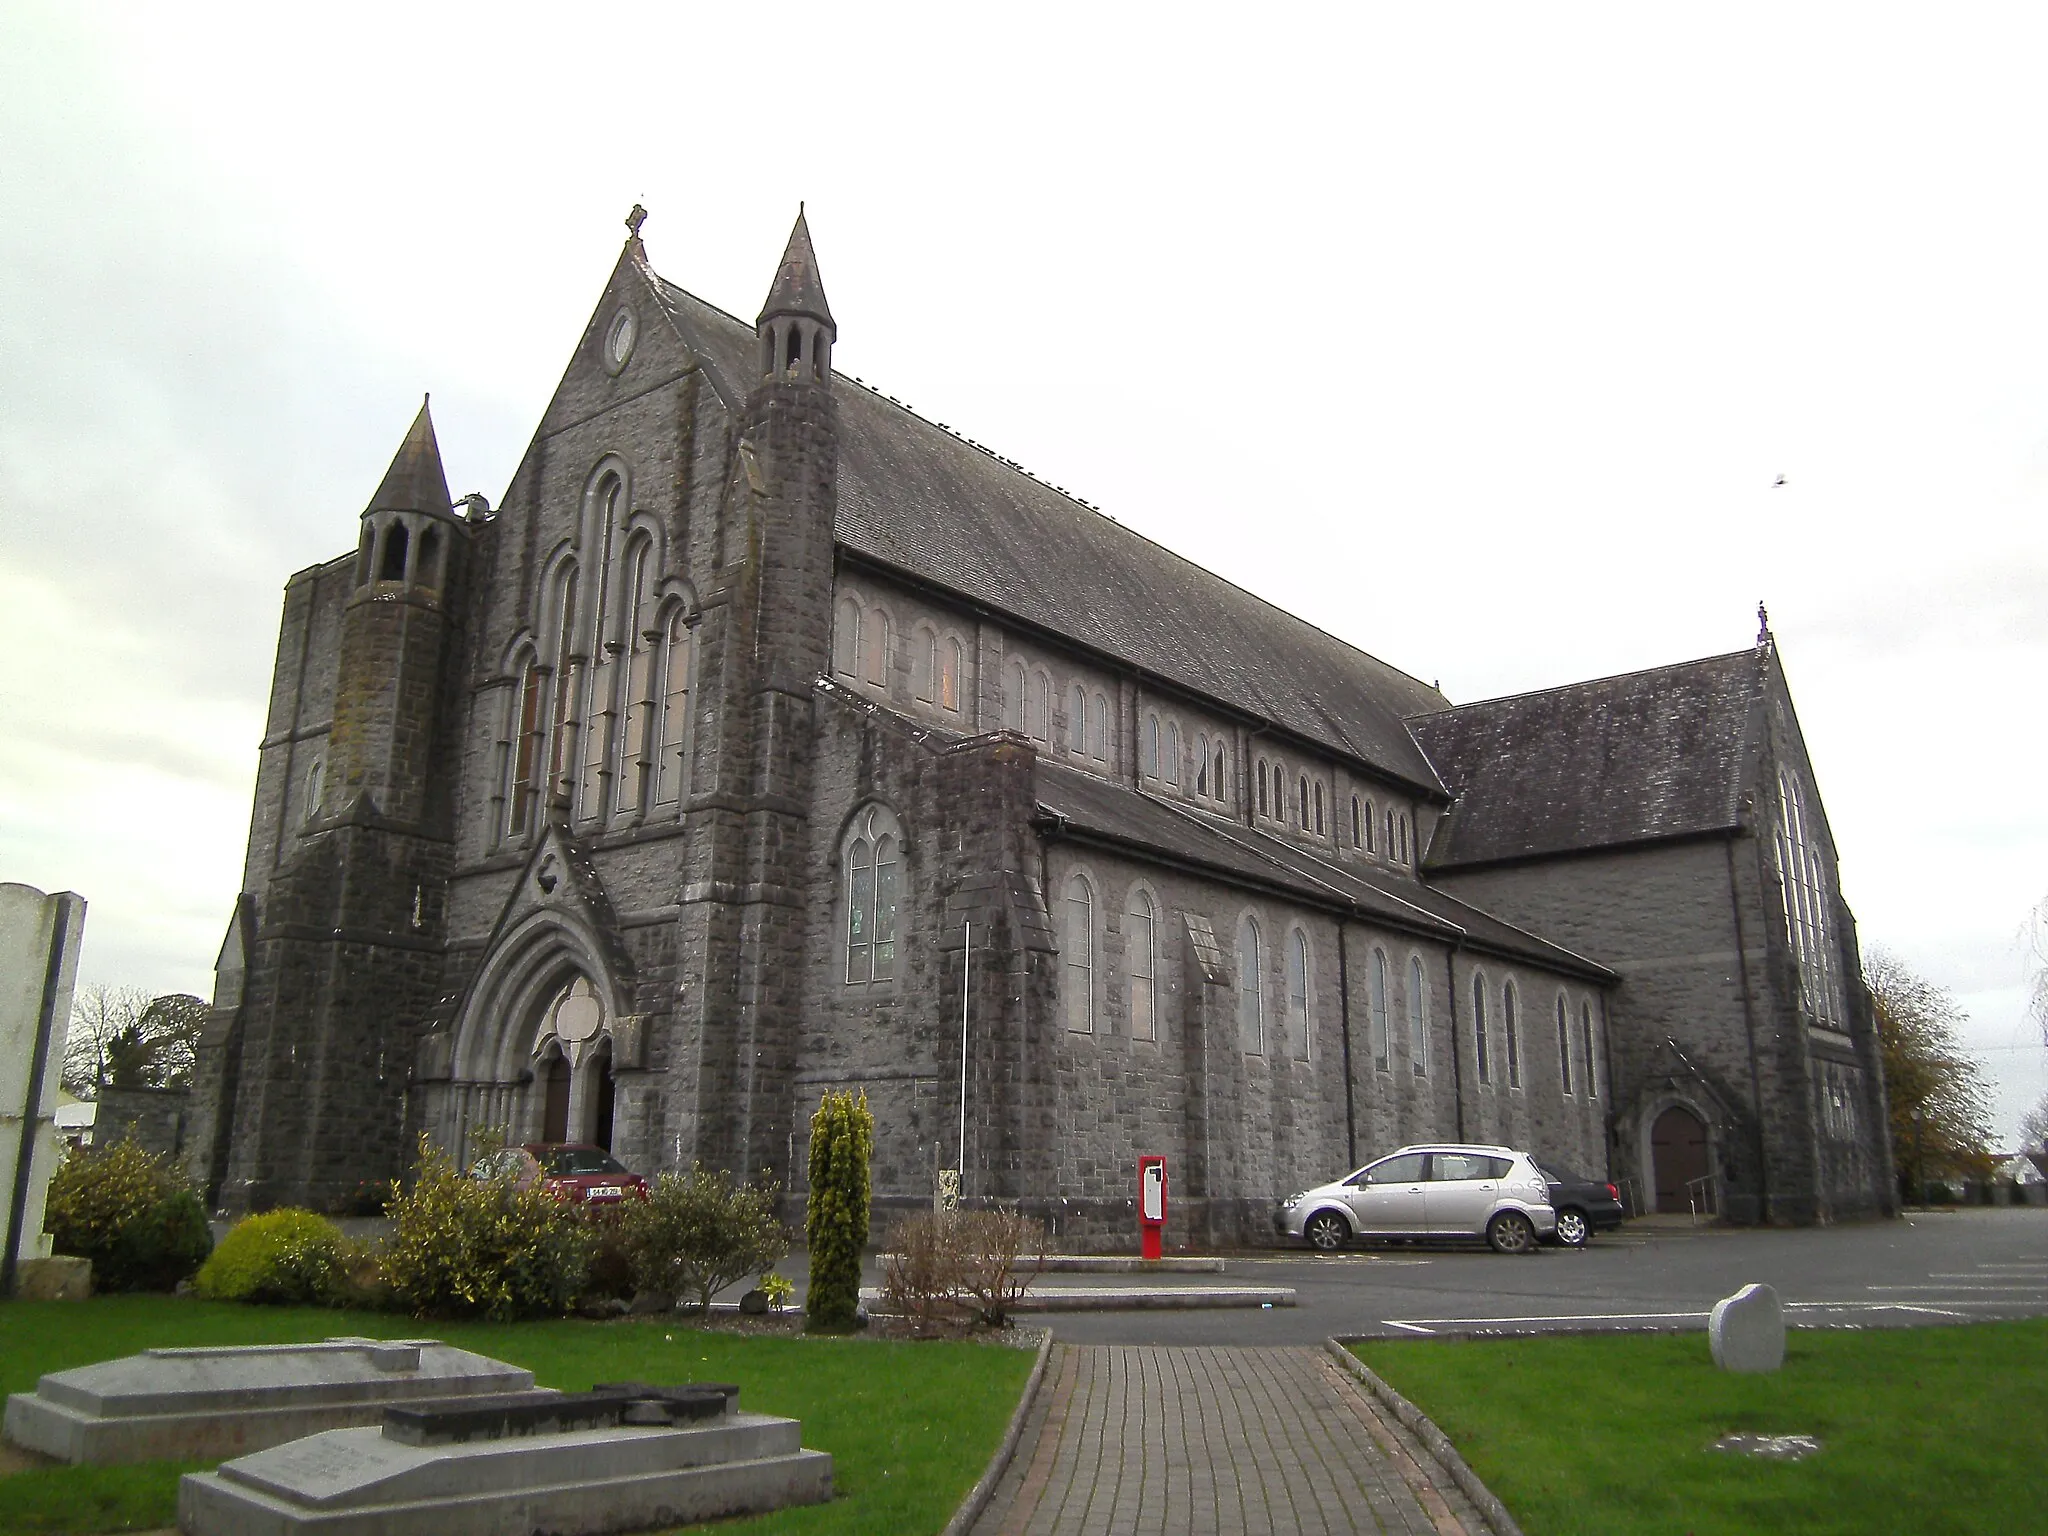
1557, 1173
568, 1160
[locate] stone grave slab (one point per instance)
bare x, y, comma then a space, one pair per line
1746, 1331
634, 1458
209, 1404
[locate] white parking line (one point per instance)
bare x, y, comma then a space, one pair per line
1411, 1327
2000, 1286
1433, 1325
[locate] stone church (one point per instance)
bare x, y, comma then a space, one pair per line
769, 739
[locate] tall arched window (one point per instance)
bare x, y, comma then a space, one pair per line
1371, 842
1319, 808
1404, 838
316, 784
1382, 1029
1141, 964
1418, 1016
1098, 729
642, 684
1390, 832
1202, 764
562, 722
1479, 1027
1564, 1044
1357, 823
1169, 767
1038, 712
1013, 697
876, 648
1262, 786
1589, 1077
1301, 803
952, 662
924, 664
1251, 1007
846, 638
1805, 876
673, 693
1511, 1029
1220, 785
873, 859
1077, 720
1078, 940
528, 727
1297, 994
1149, 746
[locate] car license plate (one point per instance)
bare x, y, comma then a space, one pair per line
606, 1192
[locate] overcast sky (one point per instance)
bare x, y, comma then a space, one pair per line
1479, 336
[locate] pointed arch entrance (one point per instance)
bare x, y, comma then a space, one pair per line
533, 1047
1679, 1161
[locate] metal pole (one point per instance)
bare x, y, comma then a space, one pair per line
966, 962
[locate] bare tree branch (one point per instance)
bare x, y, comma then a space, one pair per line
121, 1037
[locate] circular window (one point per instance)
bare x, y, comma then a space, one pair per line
618, 340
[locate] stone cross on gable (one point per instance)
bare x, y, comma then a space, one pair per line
635, 219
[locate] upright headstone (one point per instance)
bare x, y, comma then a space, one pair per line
1747, 1330
39, 937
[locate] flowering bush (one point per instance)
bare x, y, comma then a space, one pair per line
461, 1246
132, 1213
280, 1256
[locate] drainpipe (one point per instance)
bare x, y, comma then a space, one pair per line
1756, 1089
1344, 1022
1457, 1062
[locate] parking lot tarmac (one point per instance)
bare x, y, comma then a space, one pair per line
1924, 1268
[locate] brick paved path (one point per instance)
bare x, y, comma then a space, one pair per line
1243, 1440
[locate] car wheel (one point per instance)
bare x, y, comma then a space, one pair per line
1511, 1232
1572, 1228
1327, 1231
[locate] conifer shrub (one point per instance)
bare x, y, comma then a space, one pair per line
132, 1213
836, 1215
464, 1246
698, 1232
285, 1256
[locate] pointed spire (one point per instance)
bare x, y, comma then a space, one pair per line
798, 289
415, 482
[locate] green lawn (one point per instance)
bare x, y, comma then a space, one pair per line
1924, 1430
909, 1426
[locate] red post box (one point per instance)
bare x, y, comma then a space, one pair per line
1151, 1205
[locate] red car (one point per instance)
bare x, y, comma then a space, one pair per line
577, 1172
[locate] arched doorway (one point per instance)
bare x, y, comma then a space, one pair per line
606, 1097
554, 1119
1678, 1157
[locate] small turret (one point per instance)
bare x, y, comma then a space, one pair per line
796, 326
408, 523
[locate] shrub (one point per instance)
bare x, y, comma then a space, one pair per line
461, 1246
778, 1289
286, 1255
132, 1213
610, 1276
922, 1271
836, 1215
698, 1232
1001, 1252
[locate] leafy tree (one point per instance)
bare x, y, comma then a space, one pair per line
121, 1037
2034, 1128
836, 1215
1939, 1102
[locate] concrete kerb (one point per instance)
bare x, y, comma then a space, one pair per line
978, 1496
1432, 1438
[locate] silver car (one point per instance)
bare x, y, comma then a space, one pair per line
1434, 1191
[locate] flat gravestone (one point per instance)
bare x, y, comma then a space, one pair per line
209, 1404
1747, 1330
637, 1457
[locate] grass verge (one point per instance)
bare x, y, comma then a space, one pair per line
909, 1426
1926, 1430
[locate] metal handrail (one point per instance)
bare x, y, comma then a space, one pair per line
1703, 1194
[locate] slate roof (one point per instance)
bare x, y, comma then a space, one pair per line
1090, 806
916, 498
1620, 760
798, 288
415, 482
